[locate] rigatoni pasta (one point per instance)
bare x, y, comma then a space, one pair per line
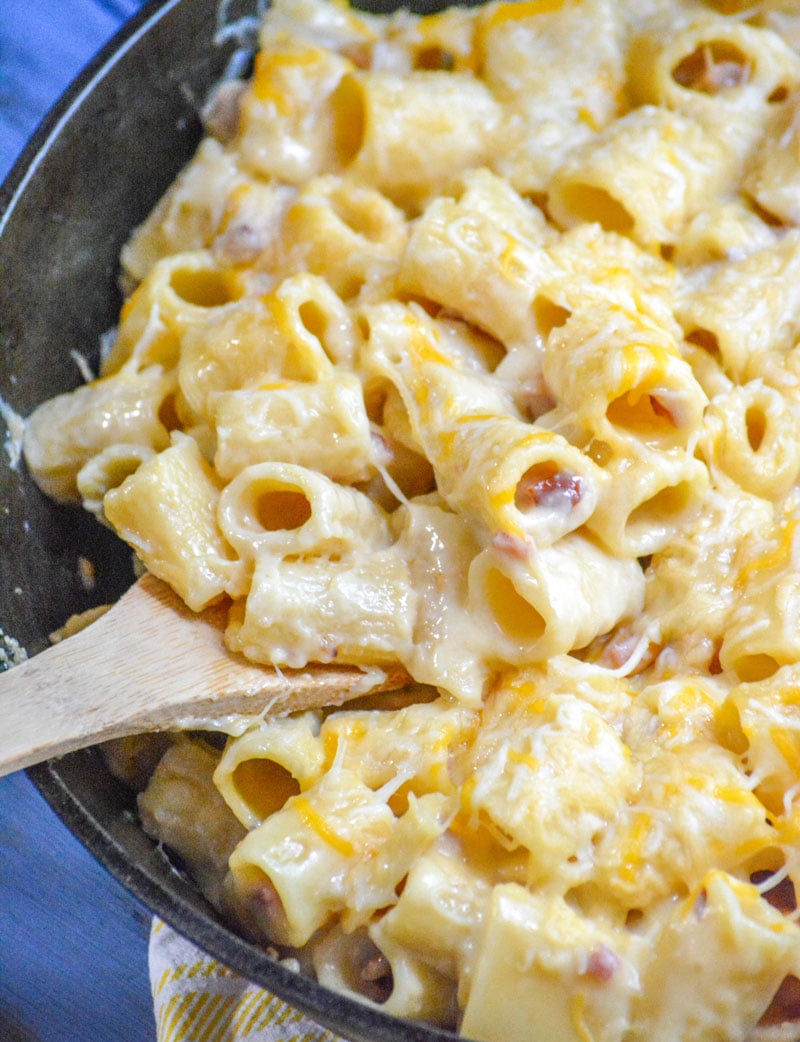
469, 342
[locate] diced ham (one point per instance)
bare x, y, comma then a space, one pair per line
785, 1006
513, 545
561, 490
603, 963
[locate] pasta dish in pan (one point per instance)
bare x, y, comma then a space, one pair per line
470, 342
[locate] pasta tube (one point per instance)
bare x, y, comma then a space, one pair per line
480, 256
751, 435
720, 71
766, 285
322, 425
352, 611
645, 176
252, 342
540, 961
721, 922
66, 432
505, 474
167, 511
763, 628
179, 291
772, 177
348, 233
410, 135
542, 602
286, 130
283, 509
654, 494
527, 54
621, 375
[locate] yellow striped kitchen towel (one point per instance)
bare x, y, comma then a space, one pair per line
195, 999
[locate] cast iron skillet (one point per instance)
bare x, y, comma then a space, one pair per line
93, 170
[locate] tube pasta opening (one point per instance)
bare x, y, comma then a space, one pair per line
706, 340
644, 176
351, 962
516, 618
286, 509
329, 337
349, 119
202, 287
728, 75
348, 233
280, 508
751, 435
178, 292
646, 416
267, 765
263, 786
664, 509
548, 315
382, 136
712, 67
755, 424
314, 318
542, 602
545, 485
649, 494
620, 377
107, 470
757, 666
586, 202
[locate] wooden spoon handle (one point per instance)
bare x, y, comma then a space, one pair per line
149, 663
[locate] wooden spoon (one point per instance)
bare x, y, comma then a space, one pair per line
151, 664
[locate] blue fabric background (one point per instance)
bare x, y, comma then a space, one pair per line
43, 45
73, 943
